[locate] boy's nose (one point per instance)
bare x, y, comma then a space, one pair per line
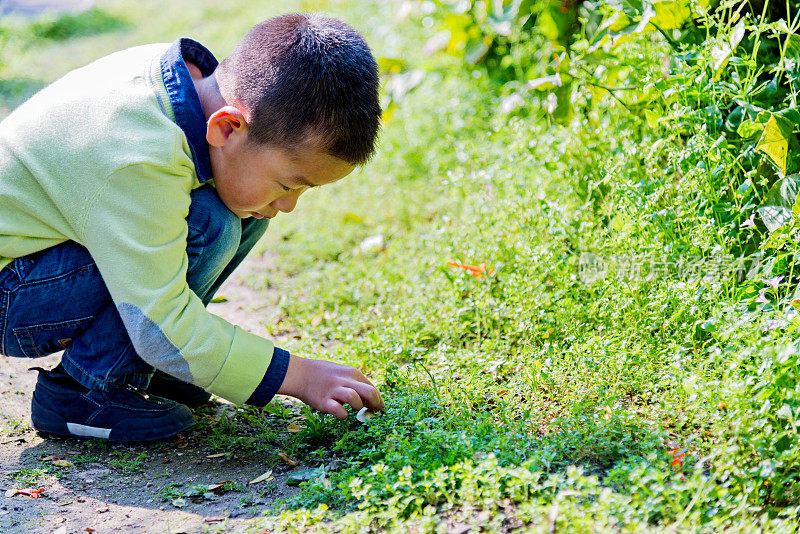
286, 203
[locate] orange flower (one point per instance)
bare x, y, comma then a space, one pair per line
475, 270
677, 457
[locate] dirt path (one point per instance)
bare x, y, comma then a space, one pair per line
144, 489
35, 7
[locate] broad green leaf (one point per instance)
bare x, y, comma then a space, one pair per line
608, 30
400, 84
670, 15
617, 21
644, 21
749, 128
546, 82
476, 51
783, 443
784, 411
737, 34
793, 46
776, 210
563, 111
391, 65
721, 53
652, 118
776, 141
790, 114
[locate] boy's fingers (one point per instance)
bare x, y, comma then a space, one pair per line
367, 392
358, 376
370, 395
349, 396
335, 409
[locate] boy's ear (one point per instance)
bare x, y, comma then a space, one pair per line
223, 123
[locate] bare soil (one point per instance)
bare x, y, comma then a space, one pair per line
90, 486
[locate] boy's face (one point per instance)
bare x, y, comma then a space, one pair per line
259, 180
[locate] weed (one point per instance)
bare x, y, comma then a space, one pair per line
242, 430
86, 459
127, 462
171, 491
31, 477
15, 426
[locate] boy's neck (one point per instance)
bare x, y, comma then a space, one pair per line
207, 89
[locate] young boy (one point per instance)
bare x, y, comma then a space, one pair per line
131, 188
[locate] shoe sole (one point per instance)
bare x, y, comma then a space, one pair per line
77, 430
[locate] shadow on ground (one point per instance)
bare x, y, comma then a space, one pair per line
180, 485
190, 484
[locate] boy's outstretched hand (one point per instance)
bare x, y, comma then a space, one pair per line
326, 386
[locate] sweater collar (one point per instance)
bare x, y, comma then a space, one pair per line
184, 98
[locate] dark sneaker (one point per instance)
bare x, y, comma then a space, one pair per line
125, 414
167, 386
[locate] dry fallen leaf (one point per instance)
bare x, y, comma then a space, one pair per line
288, 459
89, 530
293, 427
219, 487
218, 455
62, 463
215, 519
180, 443
266, 476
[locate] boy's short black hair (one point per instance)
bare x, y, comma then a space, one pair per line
305, 78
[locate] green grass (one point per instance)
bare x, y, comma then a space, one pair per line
14, 426
126, 462
31, 477
528, 396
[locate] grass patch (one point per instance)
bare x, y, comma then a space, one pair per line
68, 26
31, 477
126, 462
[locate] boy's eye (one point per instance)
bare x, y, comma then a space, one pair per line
286, 188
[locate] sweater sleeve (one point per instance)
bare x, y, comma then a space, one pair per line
135, 229
272, 379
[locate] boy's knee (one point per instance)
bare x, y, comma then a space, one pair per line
215, 228
223, 236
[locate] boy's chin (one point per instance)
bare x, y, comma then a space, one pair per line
242, 214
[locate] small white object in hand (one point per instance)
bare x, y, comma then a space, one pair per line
364, 415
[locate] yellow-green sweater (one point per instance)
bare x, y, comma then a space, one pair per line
98, 158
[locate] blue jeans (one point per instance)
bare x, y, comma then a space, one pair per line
56, 299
